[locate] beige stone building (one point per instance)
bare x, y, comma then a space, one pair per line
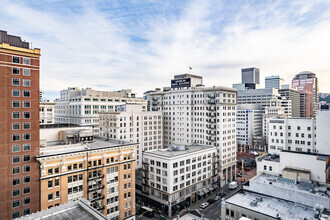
77, 165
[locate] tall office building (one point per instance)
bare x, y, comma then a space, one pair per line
307, 84
292, 94
273, 82
203, 115
19, 127
250, 79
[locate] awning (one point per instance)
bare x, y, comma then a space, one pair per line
201, 193
206, 190
210, 188
184, 203
215, 186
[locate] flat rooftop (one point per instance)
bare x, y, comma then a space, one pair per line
320, 190
79, 209
174, 153
271, 206
269, 157
55, 148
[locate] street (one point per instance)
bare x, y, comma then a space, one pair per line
212, 212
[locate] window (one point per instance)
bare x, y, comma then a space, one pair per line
265, 167
26, 93
50, 183
16, 159
26, 211
26, 179
26, 61
15, 92
16, 104
270, 168
16, 126
57, 194
27, 157
50, 171
26, 125
57, 182
16, 137
16, 82
26, 104
26, 190
26, 136
26, 147
50, 196
26, 115
15, 203
26, 200
16, 148
15, 59
26, 72
26, 82
15, 71
16, 192
56, 170
15, 214
16, 115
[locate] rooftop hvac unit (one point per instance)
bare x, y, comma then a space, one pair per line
253, 203
259, 199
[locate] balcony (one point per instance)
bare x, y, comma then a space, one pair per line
97, 198
211, 102
95, 188
95, 177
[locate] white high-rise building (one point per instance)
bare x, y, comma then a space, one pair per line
202, 115
248, 124
81, 106
131, 123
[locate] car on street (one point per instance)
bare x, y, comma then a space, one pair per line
217, 198
222, 194
210, 201
233, 185
204, 205
200, 210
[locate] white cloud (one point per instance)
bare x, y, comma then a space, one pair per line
90, 47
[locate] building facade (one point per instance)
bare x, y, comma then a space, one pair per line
176, 177
273, 82
47, 113
78, 165
19, 127
202, 115
307, 85
248, 125
294, 96
130, 123
81, 106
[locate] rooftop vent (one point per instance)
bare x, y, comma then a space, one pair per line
253, 203
259, 199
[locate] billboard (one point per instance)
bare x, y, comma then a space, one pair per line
178, 83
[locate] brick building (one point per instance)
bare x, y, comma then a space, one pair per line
19, 127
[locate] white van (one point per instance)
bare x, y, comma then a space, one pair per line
233, 185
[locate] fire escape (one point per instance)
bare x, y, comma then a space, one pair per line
95, 192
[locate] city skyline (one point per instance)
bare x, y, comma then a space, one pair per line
139, 46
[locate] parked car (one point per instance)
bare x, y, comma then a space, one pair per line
222, 194
254, 153
217, 198
210, 201
233, 185
200, 210
204, 205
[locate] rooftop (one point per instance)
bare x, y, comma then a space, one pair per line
179, 150
55, 148
12, 40
79, 209
271, 206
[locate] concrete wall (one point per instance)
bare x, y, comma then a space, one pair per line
323, 132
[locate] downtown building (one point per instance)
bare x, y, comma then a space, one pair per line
19, 127
176, 177
75, 164
131, 123
248, 125
82, 106
195, 114
307, 85
46, 113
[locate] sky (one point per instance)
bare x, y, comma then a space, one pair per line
140, 45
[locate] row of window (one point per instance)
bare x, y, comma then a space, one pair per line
17, 104
52, 183
17, 147
26, 72
26, 60
17, 192
17, 137
17, 170
17, 82
55, 195
25, 93
26, 125
16, 214
17, 181
17, 115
